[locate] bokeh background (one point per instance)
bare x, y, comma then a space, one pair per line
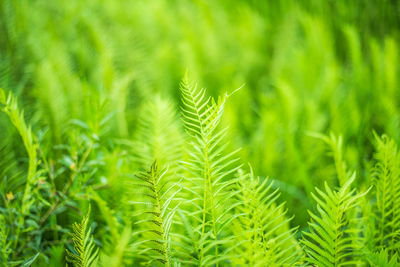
306, 67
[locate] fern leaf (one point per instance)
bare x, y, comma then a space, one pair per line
387, 189
155, 215
333, 238
158, 136
86, 253
265, 237
210, 173
382, 258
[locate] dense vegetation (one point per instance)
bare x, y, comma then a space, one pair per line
113, 154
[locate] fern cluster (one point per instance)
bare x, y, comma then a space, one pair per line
217, 214
93, 114
205, 210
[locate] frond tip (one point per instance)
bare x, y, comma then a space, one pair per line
86, 253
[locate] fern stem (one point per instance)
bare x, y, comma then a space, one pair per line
208, 187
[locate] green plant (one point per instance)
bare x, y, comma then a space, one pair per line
334, 237
93, 114
263, 231
210, 174
155, 216
386, 179
85, 253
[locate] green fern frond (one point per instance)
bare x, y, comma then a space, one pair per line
86, 253
383, 258
158, 136
156, 209
210, 179
263, 231
387, 189
334, 238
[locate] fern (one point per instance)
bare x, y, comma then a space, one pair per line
156, 211
265, 237
85, 254
209, 174
382, 258
158, 137
334, 237
387, 189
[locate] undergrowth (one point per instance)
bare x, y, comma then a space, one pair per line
108, 157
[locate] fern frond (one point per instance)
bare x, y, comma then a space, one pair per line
387, 189
263, 231
383, 258
209, 179
333, 238
158, 136
86, 253
156, 210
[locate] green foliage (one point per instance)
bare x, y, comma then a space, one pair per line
334, 238
386, 226
155, 216
10, 107
93, 113
209, 174
158, 137
263, 229
4, 245
383, 259
85, 252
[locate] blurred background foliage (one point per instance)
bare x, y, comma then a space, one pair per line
306, 67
